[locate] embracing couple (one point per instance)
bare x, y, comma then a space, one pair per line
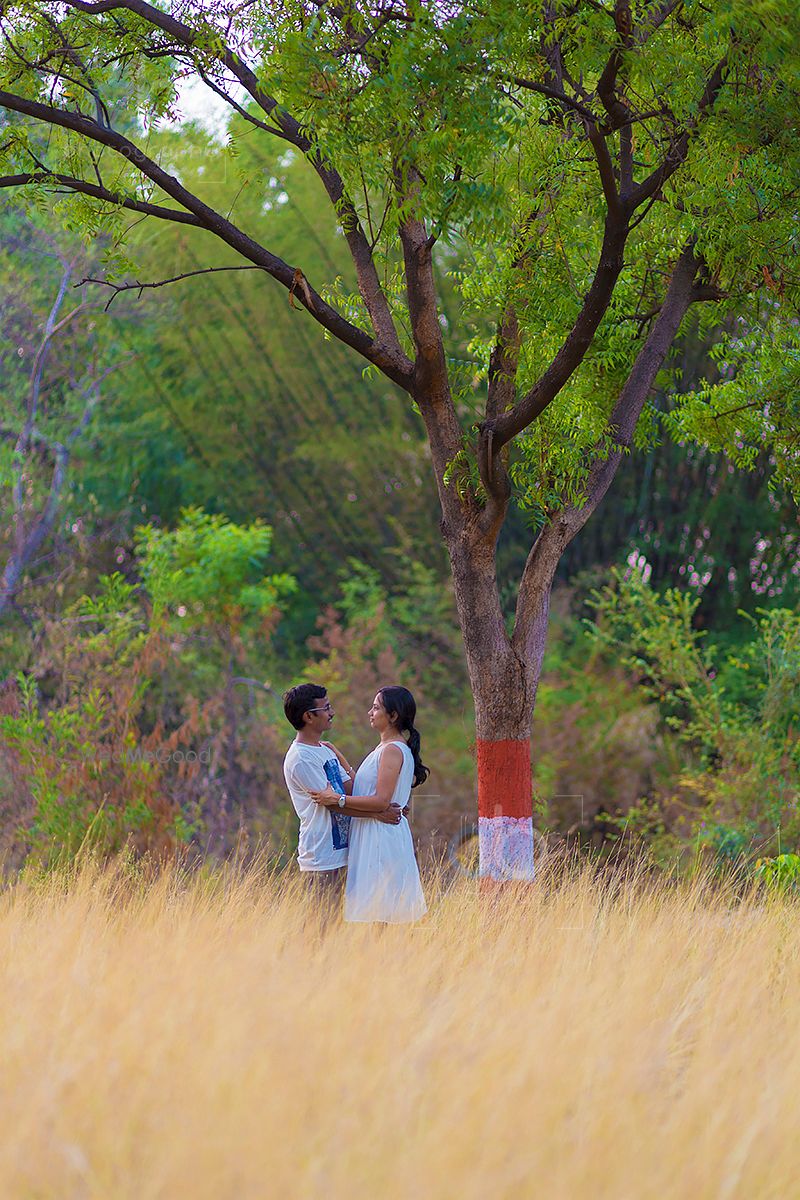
356, 821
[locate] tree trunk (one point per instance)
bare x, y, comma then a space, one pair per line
505, 784
504, 680
504, 669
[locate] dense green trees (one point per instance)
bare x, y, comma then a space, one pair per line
604, 171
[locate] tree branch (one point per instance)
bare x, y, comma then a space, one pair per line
606, 169
395, 367
220, 91
732, 412
507, 425
709, 291
618, 112
555, 537
303, 139
37, 371
503, 363
655, 19
625, 160
431, 387
531, 85
423, 308
28, 542
680, 295
679, 148
100, 193
140, 287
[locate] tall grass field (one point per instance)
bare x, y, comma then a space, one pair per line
207, 1036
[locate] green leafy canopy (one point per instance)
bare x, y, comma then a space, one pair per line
474, 120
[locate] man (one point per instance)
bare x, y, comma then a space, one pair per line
313, 765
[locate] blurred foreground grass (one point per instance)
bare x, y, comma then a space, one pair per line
203, 1037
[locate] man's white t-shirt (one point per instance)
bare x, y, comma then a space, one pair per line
324, 831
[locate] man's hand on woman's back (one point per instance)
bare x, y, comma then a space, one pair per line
391, 815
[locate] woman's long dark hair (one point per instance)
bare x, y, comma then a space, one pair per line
399, 703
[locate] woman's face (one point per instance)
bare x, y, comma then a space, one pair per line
378, 716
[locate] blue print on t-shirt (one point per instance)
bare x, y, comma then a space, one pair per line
340, 822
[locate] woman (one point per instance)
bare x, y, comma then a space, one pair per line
382, 874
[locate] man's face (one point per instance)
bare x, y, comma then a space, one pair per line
319, 718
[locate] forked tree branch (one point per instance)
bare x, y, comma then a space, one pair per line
556, 536
618, 223
618, 111
679, 147
298, 135
395, 367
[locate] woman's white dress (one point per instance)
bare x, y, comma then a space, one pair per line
382, 874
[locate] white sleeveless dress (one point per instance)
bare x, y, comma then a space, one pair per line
382, 874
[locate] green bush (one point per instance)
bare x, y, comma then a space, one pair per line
735, 711
90, 778
131, 723
780, 874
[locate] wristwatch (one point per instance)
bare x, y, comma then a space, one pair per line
342, 801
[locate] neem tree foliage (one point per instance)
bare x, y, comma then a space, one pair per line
608, 171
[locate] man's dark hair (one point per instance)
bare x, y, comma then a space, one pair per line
300, 699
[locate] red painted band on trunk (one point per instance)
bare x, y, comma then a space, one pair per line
504, 778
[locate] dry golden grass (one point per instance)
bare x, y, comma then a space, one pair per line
203, 1038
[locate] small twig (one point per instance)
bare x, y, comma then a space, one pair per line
730, 412
437, 232
210, 83
140, 287
530, 85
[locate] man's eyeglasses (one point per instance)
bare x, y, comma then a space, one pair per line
324, 708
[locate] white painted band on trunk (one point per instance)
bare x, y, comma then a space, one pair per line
506, 847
